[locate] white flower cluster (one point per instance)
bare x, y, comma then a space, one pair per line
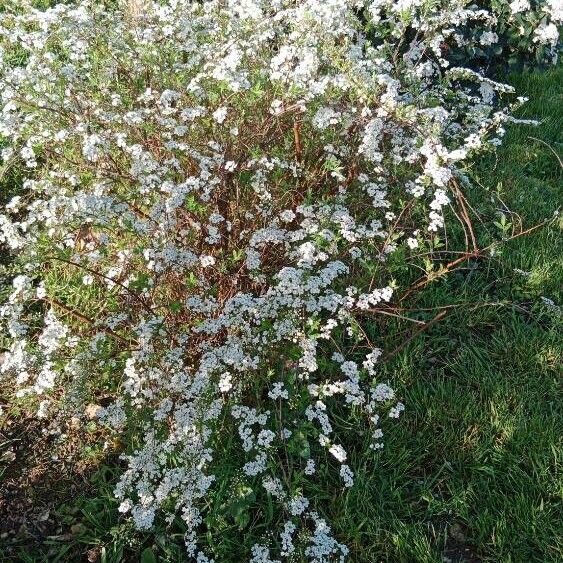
223, 179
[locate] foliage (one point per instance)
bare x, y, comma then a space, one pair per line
216, 199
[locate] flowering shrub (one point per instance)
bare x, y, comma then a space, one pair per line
214, 195
505, 34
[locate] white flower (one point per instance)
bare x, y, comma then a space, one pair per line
396, 410
287, 216
225, 383
517, 6
278, 391
143, 517
309, 467
42, 411
298, 505
555, 10
546, 33
383, 392
206, 261
276, 107
325, 117
220, 114
488, 38
338, 452
274, 486
347, 475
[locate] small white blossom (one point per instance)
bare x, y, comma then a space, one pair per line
220, 114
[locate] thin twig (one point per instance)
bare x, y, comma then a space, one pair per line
99, 274
390, 314
416, 333
461, 199
297, 137
550, 148
477, 254
83, 317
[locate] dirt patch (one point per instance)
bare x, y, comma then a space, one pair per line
457, 549
40, 469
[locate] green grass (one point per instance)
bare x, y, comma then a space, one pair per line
469, 473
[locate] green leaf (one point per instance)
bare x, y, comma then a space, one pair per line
175, 306
148, 556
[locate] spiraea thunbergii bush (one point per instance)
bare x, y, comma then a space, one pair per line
213, 195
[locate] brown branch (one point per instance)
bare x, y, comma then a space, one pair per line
83, 317
113, 280
433, 276
550, 148
477, 254
416, 333
297, 137
392, 314
461, 199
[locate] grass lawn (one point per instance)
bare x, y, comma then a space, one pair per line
470, 472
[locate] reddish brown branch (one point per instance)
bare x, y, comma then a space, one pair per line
297, 137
